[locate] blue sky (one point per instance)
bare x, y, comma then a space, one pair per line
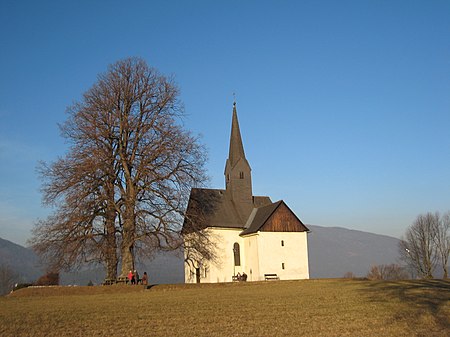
343, 105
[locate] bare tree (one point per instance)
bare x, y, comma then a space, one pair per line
442, 241
133, 167
418, 248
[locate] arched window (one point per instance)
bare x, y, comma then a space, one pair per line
237, 254
241, 175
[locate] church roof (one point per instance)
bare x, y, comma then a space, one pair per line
214, 208
259, 217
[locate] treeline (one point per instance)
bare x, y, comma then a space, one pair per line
424, 251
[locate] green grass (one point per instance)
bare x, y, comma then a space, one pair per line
275, 308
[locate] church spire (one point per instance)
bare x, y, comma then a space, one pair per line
238, 177
236, 151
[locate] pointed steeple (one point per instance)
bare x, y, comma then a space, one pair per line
238, 177
236, 151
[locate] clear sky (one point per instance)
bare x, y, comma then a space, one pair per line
343, 105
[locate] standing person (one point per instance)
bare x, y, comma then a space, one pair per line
145, 279
130, 277
133, 277
136, 276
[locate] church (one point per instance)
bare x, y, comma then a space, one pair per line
250, 235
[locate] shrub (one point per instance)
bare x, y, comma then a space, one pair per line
387, 272
349, 274
49, 279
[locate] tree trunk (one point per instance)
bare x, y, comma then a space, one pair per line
128, 239
111, 258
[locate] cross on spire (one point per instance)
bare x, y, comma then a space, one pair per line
236, 147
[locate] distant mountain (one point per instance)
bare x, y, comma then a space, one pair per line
163, 268
22, 260
332, 252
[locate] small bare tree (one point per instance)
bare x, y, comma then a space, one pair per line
418, 247
442, 242
349, 274
7, 279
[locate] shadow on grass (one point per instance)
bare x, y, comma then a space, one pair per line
425, 295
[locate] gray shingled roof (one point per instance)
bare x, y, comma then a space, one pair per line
214, 208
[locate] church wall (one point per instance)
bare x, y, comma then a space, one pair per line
293, 254
223, 269
251, 261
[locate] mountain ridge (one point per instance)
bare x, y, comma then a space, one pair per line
333, 251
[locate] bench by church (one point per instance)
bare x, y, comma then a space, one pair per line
269, 277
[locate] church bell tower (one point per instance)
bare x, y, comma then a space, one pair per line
238, 179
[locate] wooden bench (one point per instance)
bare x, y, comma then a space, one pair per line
109, 282
269, 277
123, 280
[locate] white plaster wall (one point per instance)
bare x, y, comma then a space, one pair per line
252, 260
223, 270
261, 254
294, 255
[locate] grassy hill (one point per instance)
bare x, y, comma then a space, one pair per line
330, 307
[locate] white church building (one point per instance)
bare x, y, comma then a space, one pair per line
251, 234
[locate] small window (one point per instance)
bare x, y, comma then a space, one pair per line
241, 175
228, 177
282, 243
282, 265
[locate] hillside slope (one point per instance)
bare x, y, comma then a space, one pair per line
22, 260
333, 251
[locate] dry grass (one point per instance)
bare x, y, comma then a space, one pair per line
279, 308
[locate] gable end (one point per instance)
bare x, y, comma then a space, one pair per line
283, 220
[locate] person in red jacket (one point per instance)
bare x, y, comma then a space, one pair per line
130, 277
